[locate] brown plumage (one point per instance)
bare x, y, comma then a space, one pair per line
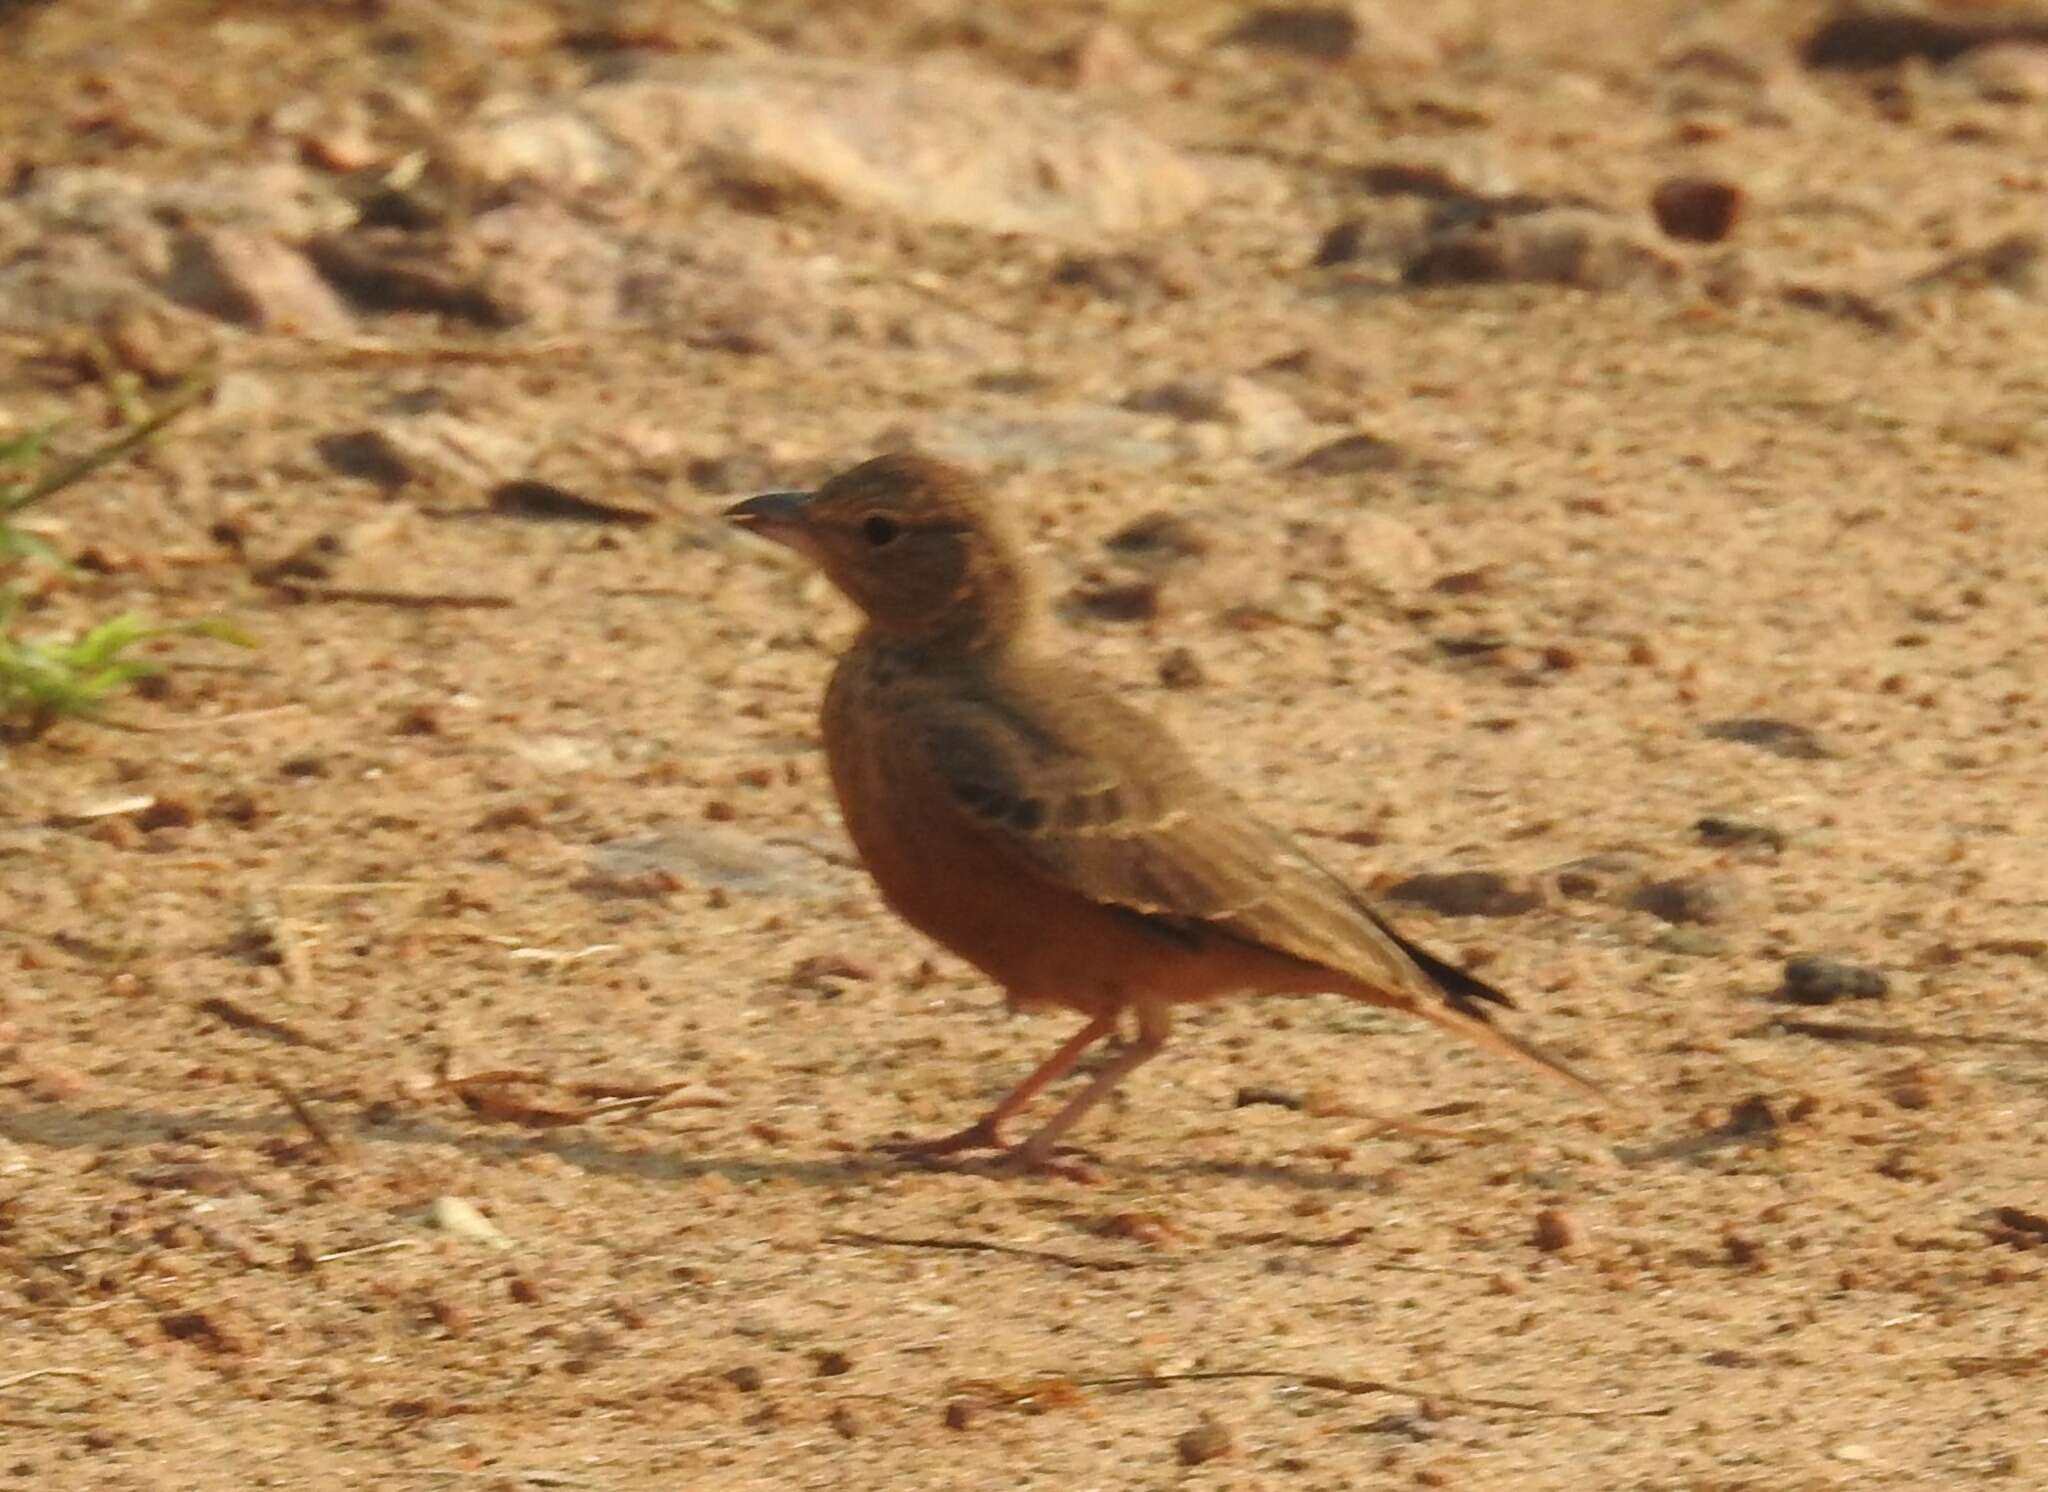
1017, 811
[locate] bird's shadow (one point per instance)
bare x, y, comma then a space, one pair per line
57, 1127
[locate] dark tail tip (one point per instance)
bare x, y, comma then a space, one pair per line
1463, 992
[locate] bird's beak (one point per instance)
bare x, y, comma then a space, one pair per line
772, 515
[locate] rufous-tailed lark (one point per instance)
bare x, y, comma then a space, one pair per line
1018, 811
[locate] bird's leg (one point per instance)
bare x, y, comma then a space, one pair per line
985, 1132
1155, 1022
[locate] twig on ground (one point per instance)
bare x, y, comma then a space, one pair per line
985, 1246
1344, 1240
1889, 1035
243, 1018
371, 596
303, 1112
368, 353
193, 388
12, 1379
207, 722
369, 1248
1340, 1385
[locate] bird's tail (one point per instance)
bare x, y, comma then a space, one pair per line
1478, 1029
1460, 1006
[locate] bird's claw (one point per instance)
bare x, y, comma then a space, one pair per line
977, 1136
1021, 1161
946, 1153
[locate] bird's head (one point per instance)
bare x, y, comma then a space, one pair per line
918, 545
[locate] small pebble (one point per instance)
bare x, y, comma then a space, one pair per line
1351, 454
1753, 1115
1717, 830
1159, 538
1689, 899
1328, 32
453, 1215
1205, 1442
1556, 1231
1697, 209
1468, 893
1148, 1228
1812, 980
1473, 582
1279, 1098
1129, 277
1342, 244
1181, 669
1779, 737
165, 813
1119, 600
237, 808
817, 967
449, 1316
218, 1329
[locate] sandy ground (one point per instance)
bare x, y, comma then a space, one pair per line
1747, 531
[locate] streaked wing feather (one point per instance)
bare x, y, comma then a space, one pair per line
1102, 800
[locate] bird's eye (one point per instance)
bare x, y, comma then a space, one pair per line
879, 531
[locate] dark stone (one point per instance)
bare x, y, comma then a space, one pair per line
1352, 454
1468, 893
1856, 37
1717, 830
1812, 980
365, 454
1329, 32
1779, 737
1697, 209
1341, 244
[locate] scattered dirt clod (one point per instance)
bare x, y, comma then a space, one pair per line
1556, 1231
1205, 1442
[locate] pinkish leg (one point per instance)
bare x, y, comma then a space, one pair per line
1155, 1023
985, 1132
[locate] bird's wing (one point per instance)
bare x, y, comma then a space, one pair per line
1099, 798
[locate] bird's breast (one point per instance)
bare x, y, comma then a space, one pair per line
935, 867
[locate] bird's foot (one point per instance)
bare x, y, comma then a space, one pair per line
1022, 1160
1027, 1159
980, 1135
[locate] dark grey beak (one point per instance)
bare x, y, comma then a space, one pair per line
772, 515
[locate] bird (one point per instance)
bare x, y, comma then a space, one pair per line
1020, 812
